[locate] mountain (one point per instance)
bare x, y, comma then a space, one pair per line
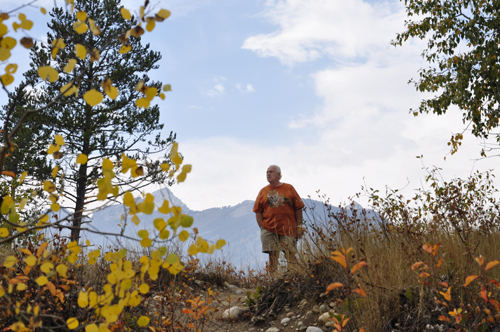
235, 224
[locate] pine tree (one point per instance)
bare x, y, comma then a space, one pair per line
109, 129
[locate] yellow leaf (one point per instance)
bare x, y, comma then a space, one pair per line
9, 261
470, 279
4, 232
193, 250
125, 13
47, 267
143, 321
146, 243
81, 159
144, 288
167, 87
93, 97
23, 176
83, 299
151, 93
112, 92
48, 73
43, 10
164, 234
80, 51
11, 68
220, 243
62, 269
181, 177
172, 259
22, 204
81, 15
59, 140
6, 204
7, 79
94, 28
49, 186
26, 24
142, 103
4, 54
183, 236
70, 66
31, 260
159, 224
163, 13
55, 207
94, 328
186, 221
8, 43
143, 234
80, 27
42, 280
69, 89
124, 49
3, 29
137, 31
72, 323
21, 286
162, 96
150, 26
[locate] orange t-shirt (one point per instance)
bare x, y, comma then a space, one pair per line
278, 206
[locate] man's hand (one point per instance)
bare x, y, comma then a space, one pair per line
300, 232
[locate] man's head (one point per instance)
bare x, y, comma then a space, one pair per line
273, 174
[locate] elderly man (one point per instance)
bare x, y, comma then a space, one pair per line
278, 209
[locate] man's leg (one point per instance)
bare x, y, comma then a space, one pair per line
290, 249
271, 246
273, 262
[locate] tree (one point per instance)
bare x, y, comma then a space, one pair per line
38, 286
94, 59
462, 49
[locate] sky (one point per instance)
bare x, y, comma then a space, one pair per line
313, 86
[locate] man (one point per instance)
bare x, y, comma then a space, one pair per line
278, 209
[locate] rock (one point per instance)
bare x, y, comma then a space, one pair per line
329, 324
324, 318
285, 320
272, 329
323, 308
199, 282
238, 291
316, 309
302, 328
234, 312
314, 329
303, 303
332, 305
308, 314
290, 314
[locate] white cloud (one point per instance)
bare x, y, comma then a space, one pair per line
365, 132
247, 88
217, 90
309, 29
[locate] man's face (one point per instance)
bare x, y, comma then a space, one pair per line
272, 175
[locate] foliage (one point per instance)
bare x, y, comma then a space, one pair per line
119, 124
38, 279
462, 49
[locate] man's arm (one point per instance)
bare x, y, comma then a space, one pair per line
260, 218
298, 222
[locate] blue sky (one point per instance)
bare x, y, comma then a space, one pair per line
311, 85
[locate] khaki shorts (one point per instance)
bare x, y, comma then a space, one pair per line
277, 242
